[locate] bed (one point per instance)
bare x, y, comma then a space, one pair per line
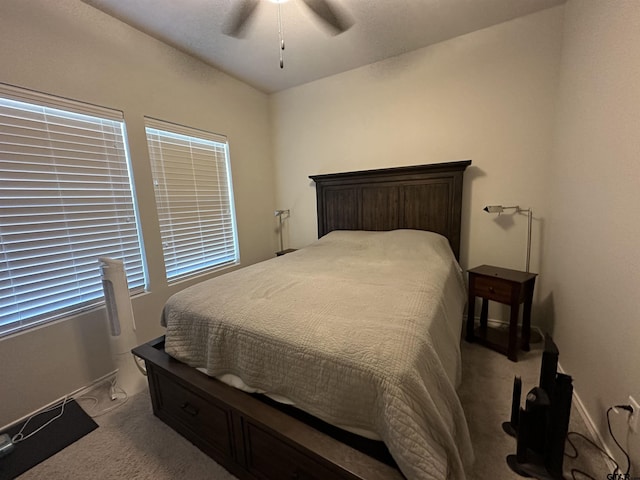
281, 330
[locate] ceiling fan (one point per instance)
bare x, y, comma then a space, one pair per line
324, 10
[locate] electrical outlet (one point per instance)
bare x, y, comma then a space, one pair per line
633, 418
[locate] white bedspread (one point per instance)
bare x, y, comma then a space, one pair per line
361, 329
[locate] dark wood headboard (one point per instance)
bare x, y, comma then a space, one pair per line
420, 197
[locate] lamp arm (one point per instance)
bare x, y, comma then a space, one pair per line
529, 213
529, 222
499, 209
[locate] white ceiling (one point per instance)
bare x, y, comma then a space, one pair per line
381, 29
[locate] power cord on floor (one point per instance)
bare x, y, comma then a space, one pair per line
575, 471
21, 437
115, 393
629, 409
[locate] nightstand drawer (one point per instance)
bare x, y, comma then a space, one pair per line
493, 289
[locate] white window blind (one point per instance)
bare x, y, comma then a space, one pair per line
65, 200
194, 198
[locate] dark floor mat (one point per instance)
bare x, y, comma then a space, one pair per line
62, 432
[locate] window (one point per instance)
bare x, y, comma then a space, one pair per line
65, 200
194, 198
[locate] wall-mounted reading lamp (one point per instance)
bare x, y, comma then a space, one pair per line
499, 209
279, 214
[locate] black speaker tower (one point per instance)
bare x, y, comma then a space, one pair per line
541, 427
511, 427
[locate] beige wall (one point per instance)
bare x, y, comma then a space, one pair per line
490, 96
487, 96
69, 49
592, 261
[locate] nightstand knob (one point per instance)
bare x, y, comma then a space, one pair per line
492, 290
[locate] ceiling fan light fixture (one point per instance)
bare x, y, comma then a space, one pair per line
331, 15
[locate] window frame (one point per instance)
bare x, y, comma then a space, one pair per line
159, 131
106, 171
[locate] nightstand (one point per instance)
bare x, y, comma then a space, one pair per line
285, 251
510, 287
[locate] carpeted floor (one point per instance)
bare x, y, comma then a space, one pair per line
131, 443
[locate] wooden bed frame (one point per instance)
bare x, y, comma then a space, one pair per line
255, 438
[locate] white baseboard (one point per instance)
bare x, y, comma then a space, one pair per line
492, 322
75, 394
87, 388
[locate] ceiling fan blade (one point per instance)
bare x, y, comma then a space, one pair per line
239, 17
331, 15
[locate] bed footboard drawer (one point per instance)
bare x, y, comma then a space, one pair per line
269, 457
203, 421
